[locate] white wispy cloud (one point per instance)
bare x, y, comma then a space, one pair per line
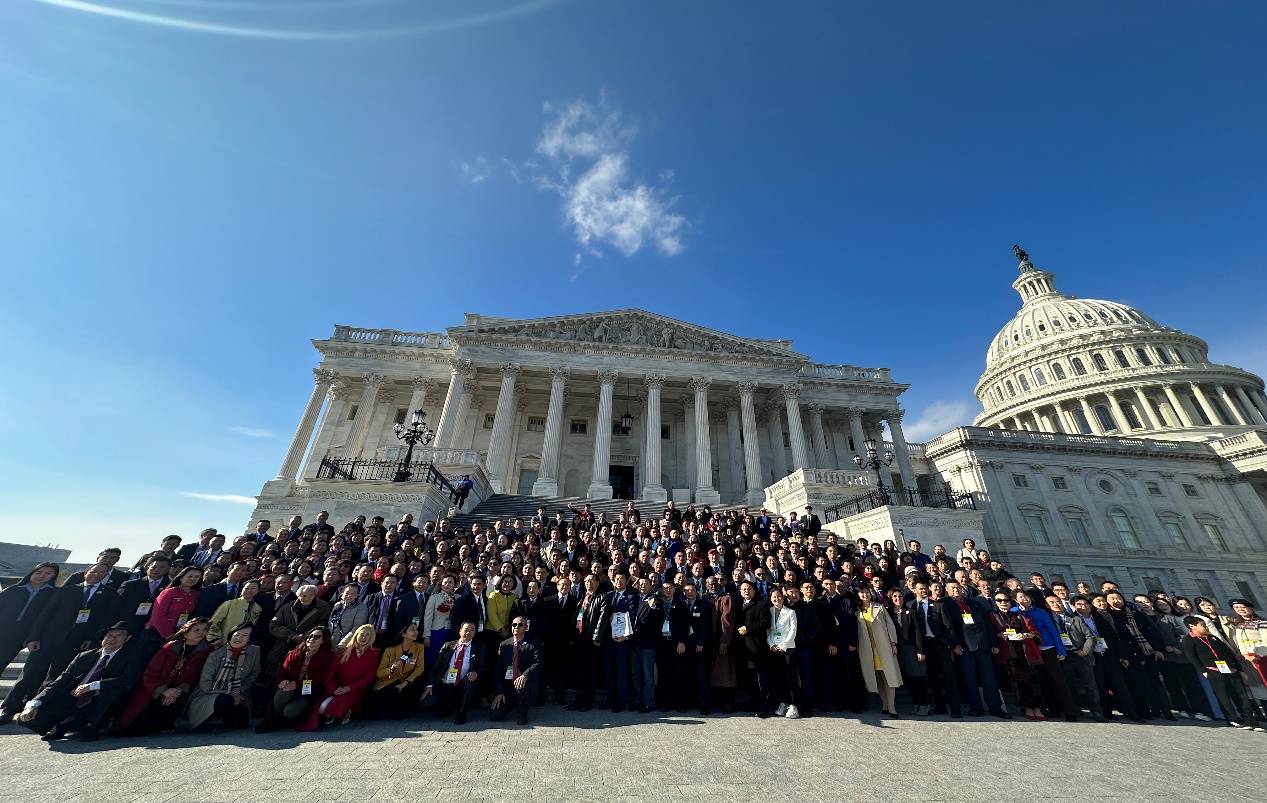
475, 171
234, 499
253, 432
585, 147
937, 418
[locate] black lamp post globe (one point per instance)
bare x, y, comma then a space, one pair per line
417, 432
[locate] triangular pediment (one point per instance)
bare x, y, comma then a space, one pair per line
624, 328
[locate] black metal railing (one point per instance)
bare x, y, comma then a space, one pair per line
351, 468
910, 497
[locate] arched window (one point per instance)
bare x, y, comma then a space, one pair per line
1039, 377
1163, 356
1080, 418
1100, 364
1132, 420
1024, 382
1010, 390
1124, 528
1105, 417
1120, 358
1078, 368
1057, 371
1141, 354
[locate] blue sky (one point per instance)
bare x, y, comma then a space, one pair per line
193, 189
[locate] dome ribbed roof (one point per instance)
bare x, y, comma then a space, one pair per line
1055, 316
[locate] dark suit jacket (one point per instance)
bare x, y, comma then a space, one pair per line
116, 681
756, 617
116, 578
648, 622
211, 597
562, 630
813, 525
57, 629
809, 631
467, 609
187, 551
12, 601
979, 635
594, 620
436, 675
938, 621
407, 609
373, 603
698, 618
539, 613
529, 663
132, 595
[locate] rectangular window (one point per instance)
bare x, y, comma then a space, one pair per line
536, 424
1215, 535
1097, 581
1247, 593
1190, 490
1153, 488
352, 411
1204, 588
1078, 528
1020, 480
1120, 359
1100, 364
1144, 359
666, 432
401, 412
1080, 418
1175, 530
488, 420
1125, 530
579, 426
1153, 584
1163, 356
1037, 529
1059, 484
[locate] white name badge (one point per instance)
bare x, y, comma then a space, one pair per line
1064, 639
479, 627
82, 616
1011, 634
695, 614
968, 620
180, 620
1101, 644
451, 677
664, 628
306, 688
144, 608
510, 673
1223, 667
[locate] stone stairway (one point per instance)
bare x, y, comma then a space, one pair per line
9, 675
512, 506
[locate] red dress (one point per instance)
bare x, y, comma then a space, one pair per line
318, 670
357, 673
165, 670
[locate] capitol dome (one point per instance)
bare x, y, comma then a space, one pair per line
1077, 365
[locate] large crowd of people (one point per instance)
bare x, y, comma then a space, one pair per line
305, 627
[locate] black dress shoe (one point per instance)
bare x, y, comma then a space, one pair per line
522, 720
6, 717
703, 712
646, 709
89, 735
762, 715
460, 719
582, 708
54, 734
616, 709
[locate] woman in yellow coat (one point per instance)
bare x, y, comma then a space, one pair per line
396, 691
241, 611
877, 650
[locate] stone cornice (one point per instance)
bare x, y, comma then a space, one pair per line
1047, 443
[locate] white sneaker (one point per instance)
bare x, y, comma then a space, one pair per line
1201, 717
792, 713
781, 710
1185, 715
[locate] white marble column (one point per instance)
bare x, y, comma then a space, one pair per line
795, 432
840, 447
754, 495
600, 473
900, 449
855, 430
1093, 420
1204, 401
1259, 400
323, 378
1123, 424
1231, 406
455, 403
1145, 410
1249, 406
688, 428
818, 449
503, 426
1180, 409
329, 423
364, 412
774, 428
547, 483
422, 388
652, 489
705, 493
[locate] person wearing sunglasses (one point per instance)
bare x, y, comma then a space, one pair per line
516, 678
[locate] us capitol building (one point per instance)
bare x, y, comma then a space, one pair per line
1108, 446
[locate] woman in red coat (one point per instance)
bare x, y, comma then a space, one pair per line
165, 684
300, 684
175, 604
351, 674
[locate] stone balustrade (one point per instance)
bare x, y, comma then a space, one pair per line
821, 371
392, 337
962, 436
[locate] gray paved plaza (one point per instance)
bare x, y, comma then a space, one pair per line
582, 757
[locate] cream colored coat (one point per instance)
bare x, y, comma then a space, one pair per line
885, 640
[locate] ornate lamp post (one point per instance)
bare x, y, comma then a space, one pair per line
417, 432
875, 462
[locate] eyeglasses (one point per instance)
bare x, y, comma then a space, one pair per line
1000, 599
517, 624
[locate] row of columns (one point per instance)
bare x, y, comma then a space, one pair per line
1251, 410
741, 425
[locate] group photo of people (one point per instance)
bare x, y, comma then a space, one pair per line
304, 627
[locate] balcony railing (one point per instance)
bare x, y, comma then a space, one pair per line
910, 497
351, 468
846, 372
391, 337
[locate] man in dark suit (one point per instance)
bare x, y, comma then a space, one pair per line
517, 673
382, 608
943, 637
696, 660
590, 624
167, 546
411, 605
560, 638
186, 552
116, 577
68, 625
227, 589
455, 674
813, 526
136, 597
83, 698
976, 664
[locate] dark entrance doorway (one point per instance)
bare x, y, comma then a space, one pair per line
621, 479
